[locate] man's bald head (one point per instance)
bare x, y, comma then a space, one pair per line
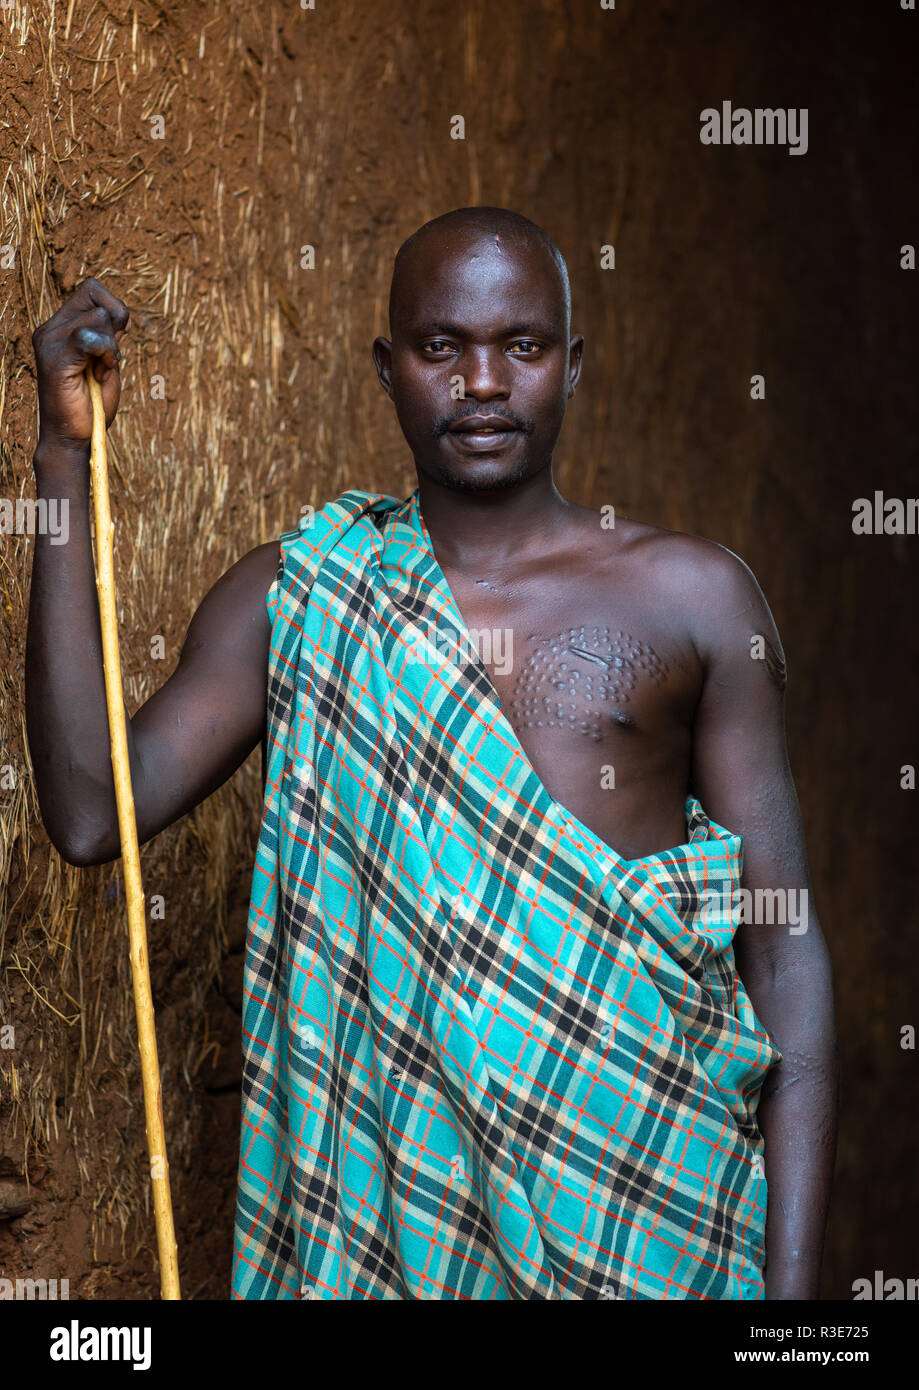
497, 227
480, 317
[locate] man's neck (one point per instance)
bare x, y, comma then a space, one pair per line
488, 529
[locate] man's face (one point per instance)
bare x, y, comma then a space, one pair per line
491, 311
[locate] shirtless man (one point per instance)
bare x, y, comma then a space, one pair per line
633, 646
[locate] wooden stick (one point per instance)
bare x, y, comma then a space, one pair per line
130, 853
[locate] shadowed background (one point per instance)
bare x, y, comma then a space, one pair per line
249, 392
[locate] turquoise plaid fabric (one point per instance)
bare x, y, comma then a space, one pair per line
484, 1056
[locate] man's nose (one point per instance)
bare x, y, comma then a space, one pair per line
485, 374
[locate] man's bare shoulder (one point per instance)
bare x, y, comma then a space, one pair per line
676, 557
234, 614
712, 589
256, 570
247, 582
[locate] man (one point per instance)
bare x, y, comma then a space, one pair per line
500, 1038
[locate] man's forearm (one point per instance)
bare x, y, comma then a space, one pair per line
797, 1118
66, 714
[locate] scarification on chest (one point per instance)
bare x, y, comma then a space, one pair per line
579, 677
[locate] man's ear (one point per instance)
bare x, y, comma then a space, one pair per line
575, 353
382, 356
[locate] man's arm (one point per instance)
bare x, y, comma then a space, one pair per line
742, 777
190, 736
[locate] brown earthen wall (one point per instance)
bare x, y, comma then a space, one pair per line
249, 391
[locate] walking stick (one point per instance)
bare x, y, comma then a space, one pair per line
130, 854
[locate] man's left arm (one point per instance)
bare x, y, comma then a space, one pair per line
742, 778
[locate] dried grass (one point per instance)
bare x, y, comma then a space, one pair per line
195, 483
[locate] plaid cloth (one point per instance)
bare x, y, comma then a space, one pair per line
485, 1057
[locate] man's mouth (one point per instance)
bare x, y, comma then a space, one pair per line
482, 433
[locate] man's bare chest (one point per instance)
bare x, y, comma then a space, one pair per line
577, 665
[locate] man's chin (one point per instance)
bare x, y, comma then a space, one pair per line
480, 475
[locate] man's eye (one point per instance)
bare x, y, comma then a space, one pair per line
438, 345
534, 347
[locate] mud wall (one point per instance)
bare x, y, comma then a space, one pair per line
184, 154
